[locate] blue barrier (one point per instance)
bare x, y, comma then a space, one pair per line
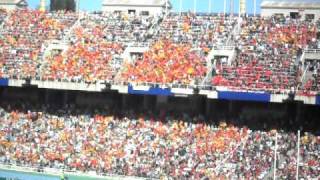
4, 82
318, 100
12, 174
151, 91
244, 96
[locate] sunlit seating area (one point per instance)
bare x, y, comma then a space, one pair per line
267, 55
23, 38
177, 49
167, 63
148, 145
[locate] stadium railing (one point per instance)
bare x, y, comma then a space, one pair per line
44, 171
224, 47
96, 86
312, 51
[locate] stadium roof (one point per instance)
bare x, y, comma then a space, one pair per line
291, 4
134, 2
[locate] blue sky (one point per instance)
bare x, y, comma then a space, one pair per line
202, 5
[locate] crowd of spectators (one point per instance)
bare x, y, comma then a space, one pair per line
83, 62
267, 53
148, 145
97, 44
129, 145
178, 54
309, 166
267, 49
127, 29
23, 38
167, 63
201, 31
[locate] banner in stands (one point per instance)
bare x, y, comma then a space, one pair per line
4, 82
151, 91
244, 96
318, 100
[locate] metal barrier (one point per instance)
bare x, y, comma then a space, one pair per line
230, 48
57, 173
314, 51
169, 89
84, 85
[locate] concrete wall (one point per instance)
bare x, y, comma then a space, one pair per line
151, 10
8, 7
286, 12
97, 99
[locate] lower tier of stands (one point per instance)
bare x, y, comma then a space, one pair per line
107, 140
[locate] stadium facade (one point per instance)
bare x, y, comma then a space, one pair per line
307, 9
141, 7
13, 4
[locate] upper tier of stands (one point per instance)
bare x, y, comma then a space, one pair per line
201, 31
23, 38
165, 63
267, 51
178, 48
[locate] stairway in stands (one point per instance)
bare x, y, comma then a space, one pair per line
62, 45
228, 49
308, 55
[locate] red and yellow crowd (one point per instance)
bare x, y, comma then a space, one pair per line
24, 35
87, 59
267, 49
167, 63
97, 44
148, 145
179, 56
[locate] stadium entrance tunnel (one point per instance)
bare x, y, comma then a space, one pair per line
212, 109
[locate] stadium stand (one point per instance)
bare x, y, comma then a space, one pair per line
122, 28
310, 159
147, 145
24, 36
267, 49
90, 47
267, 54
96, 46
167, 63
202, 31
